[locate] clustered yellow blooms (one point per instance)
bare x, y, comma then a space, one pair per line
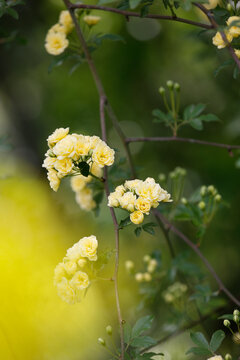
137, 197
67, 151
232, 32
91, 19
174, 292
56, 40
69, 278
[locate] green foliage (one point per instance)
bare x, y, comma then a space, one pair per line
125, 222
148, 228
7, 8
203, 347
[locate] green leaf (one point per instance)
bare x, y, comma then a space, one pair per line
223, 66
138, 231
193, 111
127, 333
149, 228
101, 2
236, 72
226, 316
134, 3
216, 340
199, 351
12, 13
199, 339
196, 124
84, 168
142, 325
143, 341
125, 222
209, 117
160, 116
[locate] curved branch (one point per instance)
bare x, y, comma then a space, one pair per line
183, 237
128, 14
180, 139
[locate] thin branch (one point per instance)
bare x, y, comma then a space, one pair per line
103, 100
212, 20
180, 139
194, 247
128, 14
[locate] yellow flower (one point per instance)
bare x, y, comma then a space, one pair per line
103, 154
129, 265
120, 189
82, 263
59, 273
64, 166
57, 28
96, 170
91, 19
217, 357
127, 201
234, 30
78, 182
49, 162
147, 277
143, 205
132, 184
88, 247
70, 267
54, 180
56, 43
80, 280
66, 291
82, 145
84, 198
113, 199
218, 40
211, 4
65, 147
66, 21
139, 277
137, 217
237, 52
57, 135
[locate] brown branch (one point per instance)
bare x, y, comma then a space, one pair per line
194, 247
128, 14
212, 20
103, 101
180, 139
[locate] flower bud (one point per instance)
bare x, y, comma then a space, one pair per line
161, 90
129, 265
177, 86
226, 323
184, 201
139, 277
236, 338
147, 276
101, 342
109, 330
211, 189
218, 198
229, 7
201, 205
170, 84
236, 318
236, 312
172, 175
162, 177
228, 357
203, 190
146, 258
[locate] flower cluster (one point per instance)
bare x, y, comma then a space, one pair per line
175, 292
56, 40
74, 154
91, 19
69, 277
151, 265
137, 197
233, 31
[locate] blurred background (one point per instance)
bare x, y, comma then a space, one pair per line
38, 225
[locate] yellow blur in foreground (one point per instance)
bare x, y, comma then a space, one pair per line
34, 322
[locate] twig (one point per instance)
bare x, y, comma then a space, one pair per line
128, 14
103, 100
180, 139
183, 237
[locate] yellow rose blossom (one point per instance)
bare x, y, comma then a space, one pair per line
217, 357
113, 199
132, 184
218, 40
234, 30
70, 267
57, 28
84, 198
82, 145
82, 263
120, 189
49, 163
136, 217
65, 147
78, 182
54, 180
80, 280
59, 273
64, 166
56, 43
57, 135
103, 154
91, 19
96, 170
237, 52
143, 205
88, 247
127, 201
66, 21
66, 291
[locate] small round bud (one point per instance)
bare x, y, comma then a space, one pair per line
146, 258
147, 276
228, 357
201, 205
226, 323
182, 172
236, 318
109, 330
184, 201
236, 312
236, 338
229, 7
170, 84
211, 189
101, 342
152, 266
218, 198
161, 90
162, 177
129, 265
172, 175
203, 190
177, 86
139, 277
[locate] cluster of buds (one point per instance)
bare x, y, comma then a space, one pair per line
69, 278
232, 32
236, 319
150, 265
138, 197
174, 294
